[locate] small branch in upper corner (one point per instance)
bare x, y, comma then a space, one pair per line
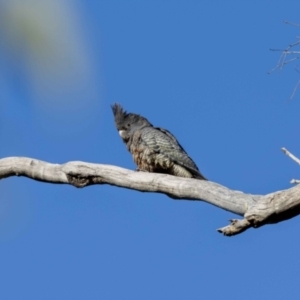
282, 59
288, 55
290, 155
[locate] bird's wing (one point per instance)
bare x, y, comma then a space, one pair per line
164, 142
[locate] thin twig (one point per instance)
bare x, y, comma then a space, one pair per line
292, 52
283, 58
290, 23
287, 48
290, 155
282, 61
295, 89
292, 59
279, 63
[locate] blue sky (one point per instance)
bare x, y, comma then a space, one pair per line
197, 68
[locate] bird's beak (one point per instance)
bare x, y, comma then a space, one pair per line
122, 133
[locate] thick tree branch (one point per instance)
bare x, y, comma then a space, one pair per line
257, 210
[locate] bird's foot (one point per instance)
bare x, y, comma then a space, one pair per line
140, 170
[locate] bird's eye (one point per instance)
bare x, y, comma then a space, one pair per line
128, 125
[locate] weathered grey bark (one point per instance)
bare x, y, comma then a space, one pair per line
257, 210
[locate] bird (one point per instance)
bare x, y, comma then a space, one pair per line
154, 149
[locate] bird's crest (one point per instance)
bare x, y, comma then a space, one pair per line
121, 116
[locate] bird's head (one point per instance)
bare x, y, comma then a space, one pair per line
127, 123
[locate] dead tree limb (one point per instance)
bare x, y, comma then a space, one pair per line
257, 210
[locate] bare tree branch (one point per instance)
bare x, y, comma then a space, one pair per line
283, 60
257, 210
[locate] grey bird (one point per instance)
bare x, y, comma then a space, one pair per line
153, 149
